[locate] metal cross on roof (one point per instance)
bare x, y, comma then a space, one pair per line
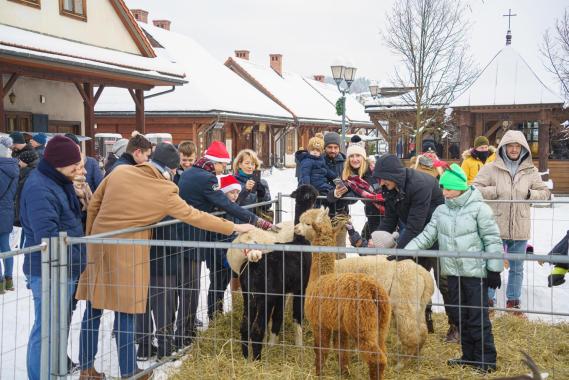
509, 16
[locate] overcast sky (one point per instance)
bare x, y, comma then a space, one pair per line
313, 33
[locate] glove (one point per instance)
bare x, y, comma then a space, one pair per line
494, 280
267, 226
398, 258
355, 238
557, 276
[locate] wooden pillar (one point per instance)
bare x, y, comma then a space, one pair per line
478, 125
86, 91
464, 123
392, 131
3, 126
140, 119
543, 141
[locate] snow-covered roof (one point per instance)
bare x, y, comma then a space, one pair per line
22, 43
507, 80
212, 87
300, 95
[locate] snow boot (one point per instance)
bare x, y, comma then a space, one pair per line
9, 285
91, 374
453, 335
557, 276
515, 306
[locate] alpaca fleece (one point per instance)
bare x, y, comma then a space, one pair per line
410, 288
266, 282
352, 305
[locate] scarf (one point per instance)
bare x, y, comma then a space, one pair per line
482, 156
49, 171
364, 190
241, 173
205, 164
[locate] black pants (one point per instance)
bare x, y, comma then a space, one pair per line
469, 308
163, 305
219, 277
433, 263
188, 287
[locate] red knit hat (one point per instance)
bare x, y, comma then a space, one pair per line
217, 152
228, 183
61, 151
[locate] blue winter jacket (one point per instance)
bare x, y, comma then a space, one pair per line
9, 177
94, 174
315, 172
200, 189
44, 212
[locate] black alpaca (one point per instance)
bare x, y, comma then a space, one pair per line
266, 283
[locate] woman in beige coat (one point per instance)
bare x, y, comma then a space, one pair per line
117, 276
512, 176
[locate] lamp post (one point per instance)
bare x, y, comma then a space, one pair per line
343, 73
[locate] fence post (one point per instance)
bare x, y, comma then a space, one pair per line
63, 304
45, 300
279, 208
53, 306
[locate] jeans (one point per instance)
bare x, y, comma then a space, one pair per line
515, 273
9, 262
34, 342
89, 340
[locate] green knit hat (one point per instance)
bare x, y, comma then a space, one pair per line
454, 179
481, 140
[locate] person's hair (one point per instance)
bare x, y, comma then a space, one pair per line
138, 141
187, 148
244, 154
348, 170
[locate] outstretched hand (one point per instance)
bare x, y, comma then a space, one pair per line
242, 228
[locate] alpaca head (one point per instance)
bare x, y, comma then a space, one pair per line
313, 223
305, 196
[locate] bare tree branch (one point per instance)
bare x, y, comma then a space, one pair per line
555, 49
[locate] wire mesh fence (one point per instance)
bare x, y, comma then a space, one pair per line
186, 309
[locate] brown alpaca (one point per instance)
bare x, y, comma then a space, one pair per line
353, 305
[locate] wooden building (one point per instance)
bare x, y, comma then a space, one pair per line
58, 57
310, 101
216, 104
509, 95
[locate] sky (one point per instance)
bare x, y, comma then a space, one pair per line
312, 34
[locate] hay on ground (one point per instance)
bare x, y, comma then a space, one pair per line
217, 353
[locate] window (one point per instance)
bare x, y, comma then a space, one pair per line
290, 142
530, 130
31, 3
18, 121
73, 8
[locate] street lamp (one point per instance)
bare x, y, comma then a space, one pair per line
374, 90
343, 73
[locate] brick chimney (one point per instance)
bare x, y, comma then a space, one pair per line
276, 61
164, 24
319, 77
243, 54
140, 15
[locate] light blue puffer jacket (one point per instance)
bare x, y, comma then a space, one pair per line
463, 224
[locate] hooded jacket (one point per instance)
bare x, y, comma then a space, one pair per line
495, 181
463, 224
315, 172
472, 165
413, 202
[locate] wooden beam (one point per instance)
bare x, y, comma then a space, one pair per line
492, 130
98, 93
543, 141
464, 137
380, 129
10, 83
140, 120
2, 113
89, 107
81, 90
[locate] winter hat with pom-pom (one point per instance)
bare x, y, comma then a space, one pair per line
383, 239
217, 152
228, 183
5, 143
356, 146
316, 143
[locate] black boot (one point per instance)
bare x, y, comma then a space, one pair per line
145, 351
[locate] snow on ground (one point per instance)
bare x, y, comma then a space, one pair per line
16, 307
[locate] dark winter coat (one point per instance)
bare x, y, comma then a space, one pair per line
259, 193
336, 164
413, 202
16, 153
9, 175
562, 249
124, 159
39, 150
24, 173
315, 172
200, 189
45, 211
94, 174
164, 261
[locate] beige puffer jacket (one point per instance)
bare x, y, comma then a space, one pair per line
495, 182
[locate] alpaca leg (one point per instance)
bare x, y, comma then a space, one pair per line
373, 356
276, 319
321, 346
411, 333
258, 327
343, 352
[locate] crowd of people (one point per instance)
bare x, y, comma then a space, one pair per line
51, 186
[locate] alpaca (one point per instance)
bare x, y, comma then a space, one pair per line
266, 279
410, 288
353, 305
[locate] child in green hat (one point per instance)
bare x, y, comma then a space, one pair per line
465, 223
